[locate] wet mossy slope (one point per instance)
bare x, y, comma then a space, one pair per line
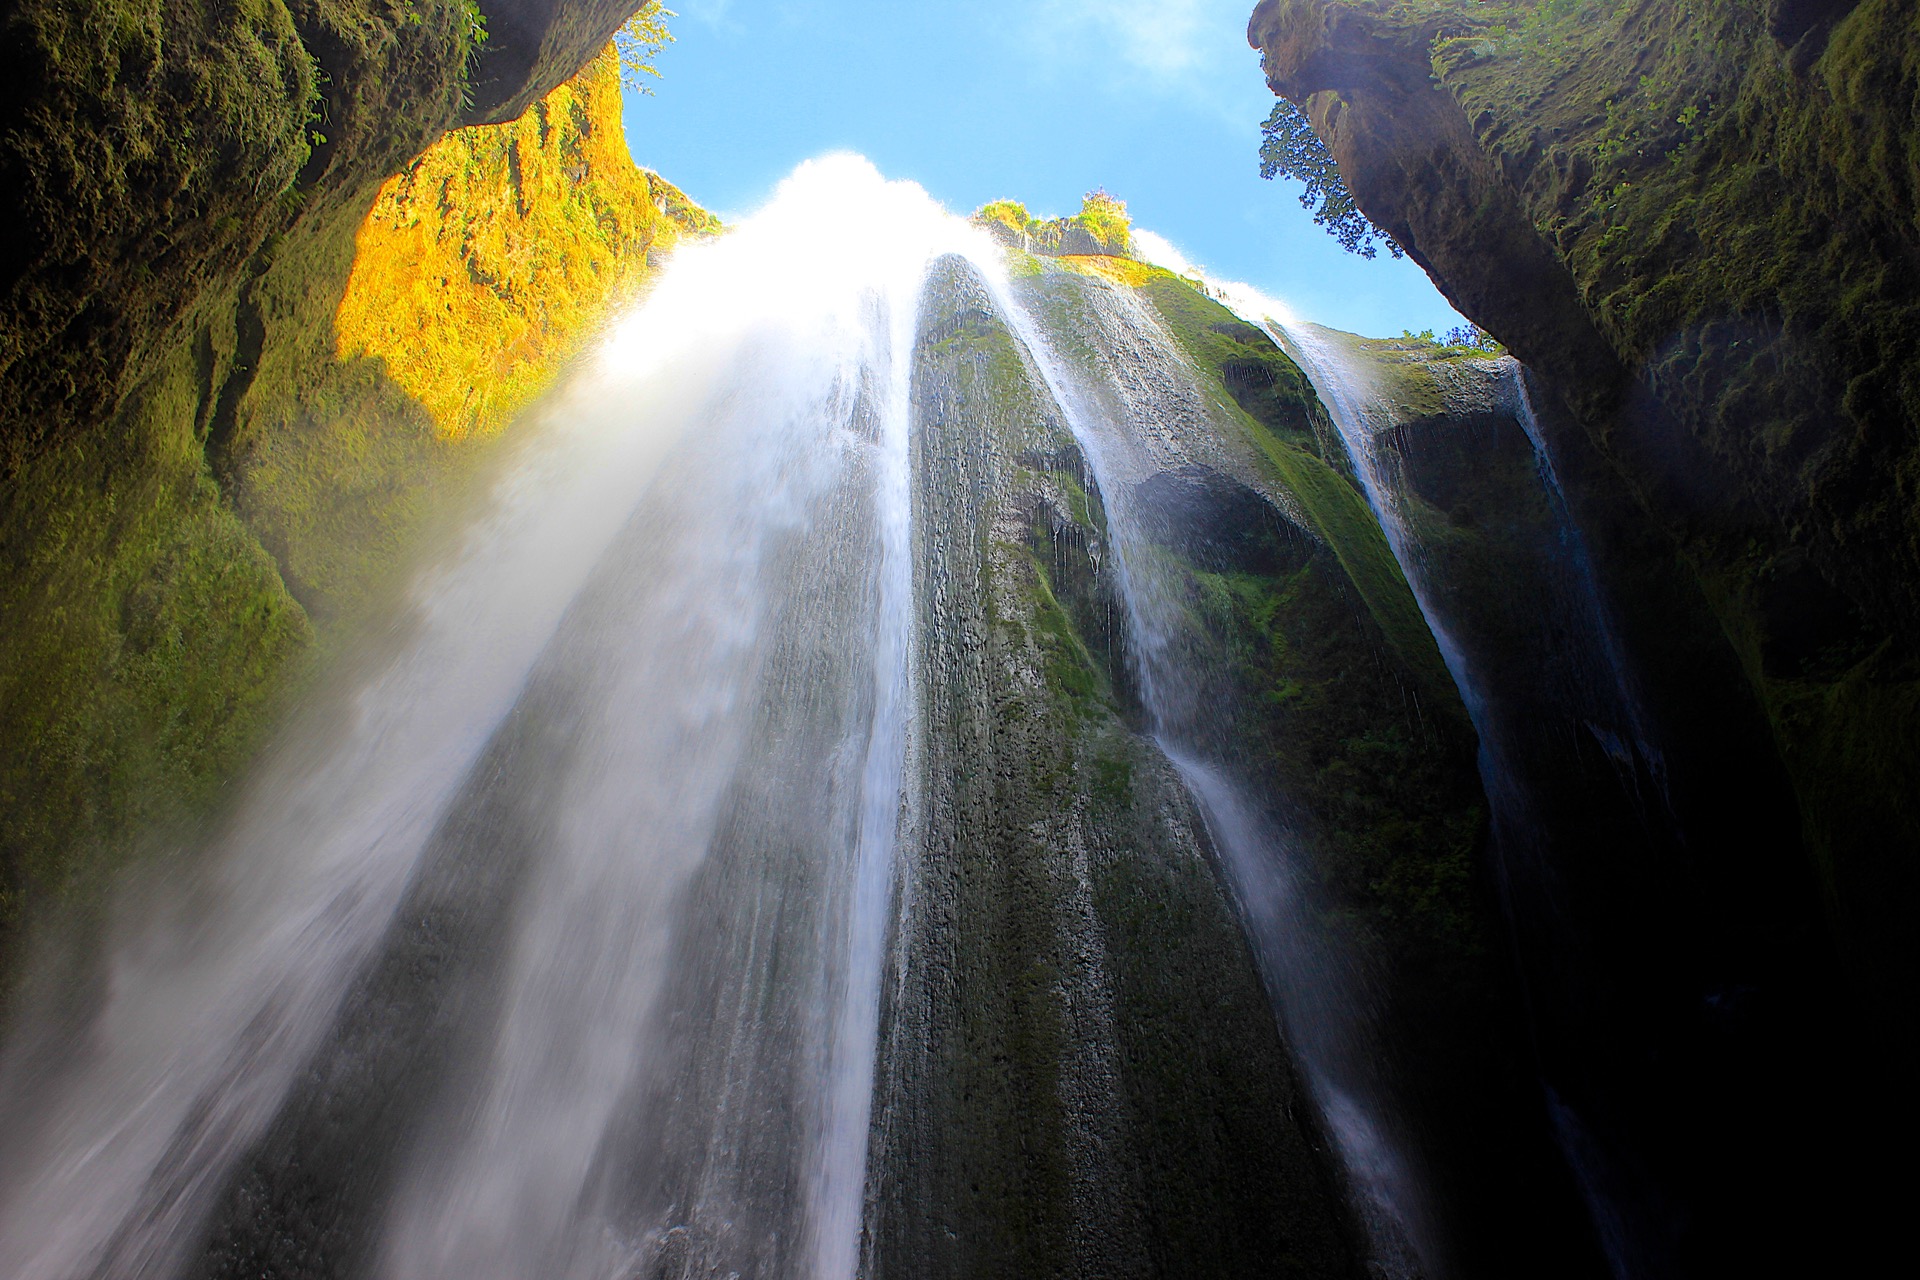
200, 476
1313, 681
1695, 219
1080, 1073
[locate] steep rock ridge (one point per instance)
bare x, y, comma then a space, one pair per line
1695, 221
1079, 1071
184, 191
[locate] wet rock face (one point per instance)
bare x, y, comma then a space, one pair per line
1696, 225
1218, 524
1080, 1074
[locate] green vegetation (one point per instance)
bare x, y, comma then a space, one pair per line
639, 42
1469, 338
485, 263
1290, 148
1102, 226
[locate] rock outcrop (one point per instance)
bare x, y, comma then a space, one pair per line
1695, 225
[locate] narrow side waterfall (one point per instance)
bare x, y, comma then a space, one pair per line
1141, 418
1615, 936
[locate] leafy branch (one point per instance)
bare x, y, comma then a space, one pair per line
1290, 147
640, 41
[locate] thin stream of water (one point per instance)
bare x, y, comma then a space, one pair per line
1599, 694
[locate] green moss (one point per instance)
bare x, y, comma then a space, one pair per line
1274, 404
1066, 662
1113, 781
148, 642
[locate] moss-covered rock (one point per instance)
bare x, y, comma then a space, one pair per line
193, 472
1080, 1073
1306, 672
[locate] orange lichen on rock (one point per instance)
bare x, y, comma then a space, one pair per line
488, 262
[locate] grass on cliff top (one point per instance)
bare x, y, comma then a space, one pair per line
1102, 226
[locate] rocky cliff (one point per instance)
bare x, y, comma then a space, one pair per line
186, 192
1696, 223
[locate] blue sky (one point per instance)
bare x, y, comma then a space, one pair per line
1157, 101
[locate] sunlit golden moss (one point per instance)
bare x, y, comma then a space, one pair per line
485, 264
1102, 227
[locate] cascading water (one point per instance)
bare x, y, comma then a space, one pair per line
659, 701
1582, 682
1137, 414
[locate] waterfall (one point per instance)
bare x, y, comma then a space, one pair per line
793, 830
570, 908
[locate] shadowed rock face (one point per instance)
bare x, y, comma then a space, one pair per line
532, 45
1697, 226
1660, 908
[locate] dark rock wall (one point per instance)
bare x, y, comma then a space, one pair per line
1666, 922
1698, 229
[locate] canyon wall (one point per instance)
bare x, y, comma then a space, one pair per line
1695, 223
